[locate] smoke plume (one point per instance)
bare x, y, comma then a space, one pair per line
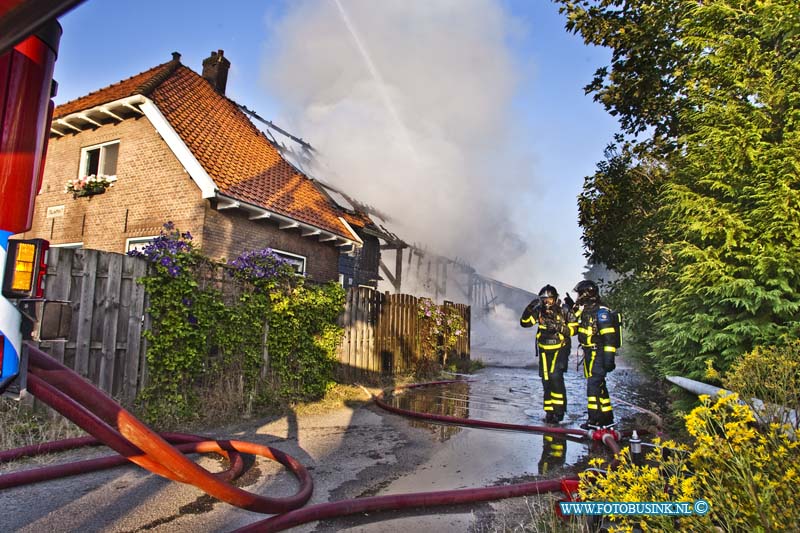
409, 105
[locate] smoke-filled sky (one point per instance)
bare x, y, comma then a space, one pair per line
464, 120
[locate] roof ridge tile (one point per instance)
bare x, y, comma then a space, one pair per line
149, 85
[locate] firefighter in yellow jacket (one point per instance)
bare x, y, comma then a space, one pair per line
599, 335
553, 344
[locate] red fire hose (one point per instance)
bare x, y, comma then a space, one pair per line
324, 511
417, 500
103, 418
110, 424
469, 421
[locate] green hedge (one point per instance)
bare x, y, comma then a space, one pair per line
208, 329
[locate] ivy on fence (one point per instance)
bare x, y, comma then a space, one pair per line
440, 329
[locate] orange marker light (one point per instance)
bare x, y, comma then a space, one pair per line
25, 268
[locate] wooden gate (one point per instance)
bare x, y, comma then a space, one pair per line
105, 344
398, 333
382, 333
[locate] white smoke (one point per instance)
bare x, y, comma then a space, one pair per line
498, 340
409, 105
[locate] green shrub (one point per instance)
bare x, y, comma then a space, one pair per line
440, 328
204, 340
303, 339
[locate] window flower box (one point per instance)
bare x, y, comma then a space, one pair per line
89, 185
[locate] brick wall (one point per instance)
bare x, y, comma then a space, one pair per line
151, 188
229, 233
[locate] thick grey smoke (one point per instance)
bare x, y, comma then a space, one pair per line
410, 106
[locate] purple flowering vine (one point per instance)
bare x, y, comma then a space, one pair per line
167, 249
262, 267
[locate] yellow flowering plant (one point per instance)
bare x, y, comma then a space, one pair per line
747, 474
768, 380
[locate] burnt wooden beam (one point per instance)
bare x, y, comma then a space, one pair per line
386, 271
398, 270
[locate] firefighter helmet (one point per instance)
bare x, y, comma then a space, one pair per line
548, 295
548, 291
587, 290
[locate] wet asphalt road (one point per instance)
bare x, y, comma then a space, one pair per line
350, 453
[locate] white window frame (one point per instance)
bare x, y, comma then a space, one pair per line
293, 258
136, 241
85, 155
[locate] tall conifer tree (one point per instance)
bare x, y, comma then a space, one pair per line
719, 112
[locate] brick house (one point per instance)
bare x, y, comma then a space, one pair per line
181, 151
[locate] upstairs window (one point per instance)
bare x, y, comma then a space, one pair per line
99, 160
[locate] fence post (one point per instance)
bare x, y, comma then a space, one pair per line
57, 284
133, 364
110, 308
86, 311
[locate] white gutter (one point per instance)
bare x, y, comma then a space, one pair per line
351, 230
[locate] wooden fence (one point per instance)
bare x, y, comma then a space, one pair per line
105, 343
106, 346
382, 333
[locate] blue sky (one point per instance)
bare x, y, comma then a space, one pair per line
558, 133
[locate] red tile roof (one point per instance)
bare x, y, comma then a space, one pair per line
140, 84
357, 220
236, 155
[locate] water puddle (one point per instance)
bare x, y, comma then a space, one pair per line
467, 457
514, 396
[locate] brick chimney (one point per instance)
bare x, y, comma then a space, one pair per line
215, 70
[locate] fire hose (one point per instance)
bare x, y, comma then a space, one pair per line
100, 416
567, 484
113, 426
